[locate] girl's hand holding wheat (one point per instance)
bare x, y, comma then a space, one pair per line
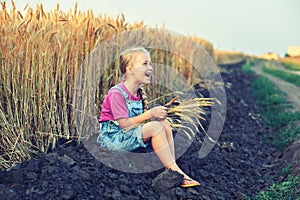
159, 112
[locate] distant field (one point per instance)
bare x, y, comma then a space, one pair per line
294, 59
227, 57
291, 63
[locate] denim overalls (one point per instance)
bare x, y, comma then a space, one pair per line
113, 137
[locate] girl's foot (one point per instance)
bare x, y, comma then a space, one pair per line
188, 182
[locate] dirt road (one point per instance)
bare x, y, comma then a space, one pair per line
292, 91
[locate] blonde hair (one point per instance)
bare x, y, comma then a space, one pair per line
128, 55
126, 58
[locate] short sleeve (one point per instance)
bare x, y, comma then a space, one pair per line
118, 105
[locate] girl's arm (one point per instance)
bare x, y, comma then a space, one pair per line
159, 112
133, 121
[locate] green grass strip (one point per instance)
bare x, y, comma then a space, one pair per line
273, 108
288, 190
246, 68
289, 77
273, 104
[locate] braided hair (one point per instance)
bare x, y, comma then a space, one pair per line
141, 92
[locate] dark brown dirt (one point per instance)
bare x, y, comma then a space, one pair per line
240, 171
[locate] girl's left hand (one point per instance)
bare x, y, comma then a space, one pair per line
159, 112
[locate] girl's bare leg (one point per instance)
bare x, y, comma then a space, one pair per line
162, 143
170, 138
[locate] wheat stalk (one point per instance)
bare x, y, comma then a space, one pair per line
188, 115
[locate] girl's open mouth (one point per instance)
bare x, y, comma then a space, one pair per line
148, 74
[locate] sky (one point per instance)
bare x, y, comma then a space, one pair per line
249, 26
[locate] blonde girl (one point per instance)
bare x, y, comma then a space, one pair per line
126, 121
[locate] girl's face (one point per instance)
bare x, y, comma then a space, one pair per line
141, 69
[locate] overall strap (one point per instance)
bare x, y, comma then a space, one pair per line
121, 90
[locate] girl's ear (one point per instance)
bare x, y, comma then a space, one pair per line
128, 68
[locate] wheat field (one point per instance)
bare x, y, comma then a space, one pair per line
41, 55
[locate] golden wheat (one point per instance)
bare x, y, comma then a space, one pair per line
41, 55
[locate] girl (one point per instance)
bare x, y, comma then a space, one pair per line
123, 122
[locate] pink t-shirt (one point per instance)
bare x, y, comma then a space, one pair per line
114, 104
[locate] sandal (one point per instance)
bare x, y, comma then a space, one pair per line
187, 182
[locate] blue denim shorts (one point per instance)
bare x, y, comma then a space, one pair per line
113, 137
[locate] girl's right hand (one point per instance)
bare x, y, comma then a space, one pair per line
159, 112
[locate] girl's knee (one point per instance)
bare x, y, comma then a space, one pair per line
167, 126
152, 128
156, 124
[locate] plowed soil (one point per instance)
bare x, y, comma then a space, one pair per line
242, 163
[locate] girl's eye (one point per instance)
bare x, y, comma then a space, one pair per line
147, 63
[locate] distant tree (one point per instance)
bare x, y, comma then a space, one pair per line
286, 55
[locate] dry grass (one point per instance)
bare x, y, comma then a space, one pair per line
41, 55
291, 63
228, 57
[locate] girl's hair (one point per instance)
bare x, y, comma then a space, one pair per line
141, 92
126, 58
128, 55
